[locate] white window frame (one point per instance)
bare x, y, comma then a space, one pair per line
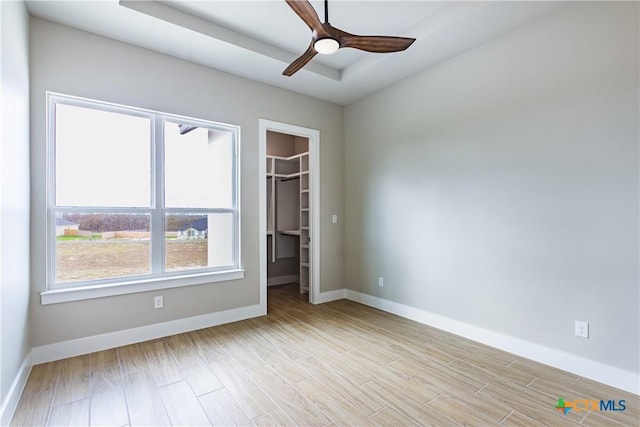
157, 279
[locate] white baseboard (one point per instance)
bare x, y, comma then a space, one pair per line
76, 347
330, 296
591, 369
282, 280
13, 397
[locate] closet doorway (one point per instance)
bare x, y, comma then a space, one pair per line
289, 207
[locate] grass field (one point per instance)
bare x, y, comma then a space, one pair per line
84, 259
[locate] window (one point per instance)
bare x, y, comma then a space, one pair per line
139, 196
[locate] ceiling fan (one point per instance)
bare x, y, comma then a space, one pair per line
326, 39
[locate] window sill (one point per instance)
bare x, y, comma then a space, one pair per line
55, 296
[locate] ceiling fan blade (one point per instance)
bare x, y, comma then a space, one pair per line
301, 61
379, 44
305, 11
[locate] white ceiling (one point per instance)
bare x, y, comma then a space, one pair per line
258, 39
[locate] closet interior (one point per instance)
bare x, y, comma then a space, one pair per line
288, 210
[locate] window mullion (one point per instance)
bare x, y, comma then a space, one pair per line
157, 203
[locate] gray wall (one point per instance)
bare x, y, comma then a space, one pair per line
500, 188
82, 64
14, 193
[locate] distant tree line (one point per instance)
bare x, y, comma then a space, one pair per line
99, 222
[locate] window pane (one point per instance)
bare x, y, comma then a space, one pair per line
199, 241
198, 167
102, 158
101, 246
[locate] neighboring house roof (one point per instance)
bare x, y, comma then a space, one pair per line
199, 224
60, 221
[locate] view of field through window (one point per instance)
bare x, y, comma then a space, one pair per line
97, 246
104, 195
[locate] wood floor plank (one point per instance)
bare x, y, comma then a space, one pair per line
73, 380
516, 419
195, 369
182, 405
360, 358
43, 378
298, 407
263, 348
290, 349
538, 370
441, 379
144, 401
223, 410
339, 410
596, 419
390, 417
526, 406
288, 333
235, 349
242, 388
470, 410
341, 386
472, 352
420, 352
160, 359
532, 398
132, 358
71, 414
272, 419
207, 345
33, 409
315, 335
353, 365
36, 401
490, 373
108, 405
286, 368
418, 384
109, 409
104, 359
407, 405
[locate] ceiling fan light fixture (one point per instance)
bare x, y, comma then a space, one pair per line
326, 46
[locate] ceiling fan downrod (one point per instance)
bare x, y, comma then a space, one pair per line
326, 11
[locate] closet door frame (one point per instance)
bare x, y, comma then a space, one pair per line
313, 135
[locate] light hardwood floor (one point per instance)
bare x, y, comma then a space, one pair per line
339, 363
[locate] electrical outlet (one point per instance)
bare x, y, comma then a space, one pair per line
582, 329
158, 302
381, 281
334, 218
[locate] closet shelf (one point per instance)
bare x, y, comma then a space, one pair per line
295, 156
284, 175
290, 232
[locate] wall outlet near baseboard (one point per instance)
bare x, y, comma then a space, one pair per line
158, 302
582, 329
381, 281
